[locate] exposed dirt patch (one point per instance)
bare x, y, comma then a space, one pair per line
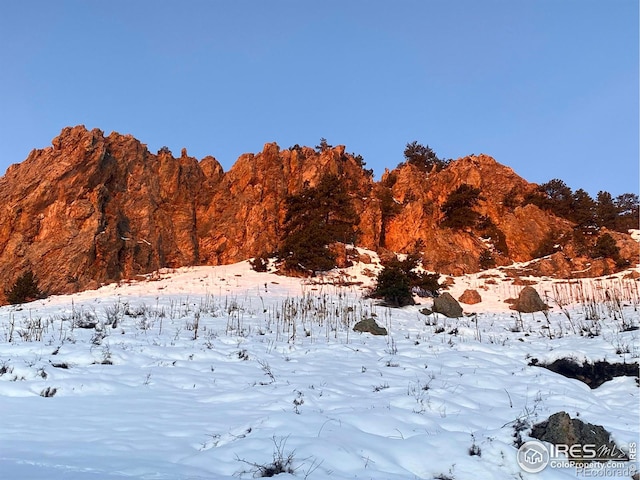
593, 374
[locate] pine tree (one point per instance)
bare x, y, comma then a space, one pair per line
316, 217
619, 214
606, 211
324, 145
423, 157
397, 280
627, 210
393, 285
606, 247
583, 209
559, 197
458, 208
25, 289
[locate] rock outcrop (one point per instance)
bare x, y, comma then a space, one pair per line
93, 209
244, 212
512, 231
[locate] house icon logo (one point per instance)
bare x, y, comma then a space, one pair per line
533, 457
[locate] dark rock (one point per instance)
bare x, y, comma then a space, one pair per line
447, 306
529, 301
369, 325
560, 429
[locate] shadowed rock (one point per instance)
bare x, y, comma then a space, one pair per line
369, 325
447, 306
593, 374
560, 429
529, 301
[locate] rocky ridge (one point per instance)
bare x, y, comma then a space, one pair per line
93, 209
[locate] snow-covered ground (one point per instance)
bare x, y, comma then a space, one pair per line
210, 372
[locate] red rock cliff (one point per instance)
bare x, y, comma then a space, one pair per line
93, 209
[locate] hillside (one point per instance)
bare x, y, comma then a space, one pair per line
222, 372
94, 209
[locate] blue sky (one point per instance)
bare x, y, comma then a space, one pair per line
547, 87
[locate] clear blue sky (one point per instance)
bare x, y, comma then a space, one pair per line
548, 87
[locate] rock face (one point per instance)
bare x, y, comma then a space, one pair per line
93, 209
470, 297
529, 301
515, 233
244, 212
447, 306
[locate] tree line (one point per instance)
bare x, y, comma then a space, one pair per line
614, 213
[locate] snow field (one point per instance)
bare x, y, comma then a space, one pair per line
211, 371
